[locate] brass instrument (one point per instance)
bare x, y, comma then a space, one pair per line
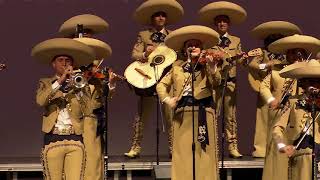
76, 80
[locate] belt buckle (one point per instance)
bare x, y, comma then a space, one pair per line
64, 131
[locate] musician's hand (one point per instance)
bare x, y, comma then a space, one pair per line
269, 65
67, 72
214, 58
243, 58
274, 104
150, 48
288, 150
243, 55
112, 79
172, 102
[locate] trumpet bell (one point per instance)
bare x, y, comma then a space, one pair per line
79, 81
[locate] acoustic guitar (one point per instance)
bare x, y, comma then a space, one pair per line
145, 75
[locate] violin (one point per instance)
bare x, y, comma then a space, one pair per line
94, 71
218, 55
203, 57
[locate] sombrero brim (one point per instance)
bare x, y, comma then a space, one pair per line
101, 49
236, 13
263, 30
207, 36
300, 70
172, 8
45, 51
94, 23
310, 44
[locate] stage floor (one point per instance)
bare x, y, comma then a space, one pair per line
123, 163
120, 166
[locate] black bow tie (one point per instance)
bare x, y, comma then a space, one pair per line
158, 37
224, 42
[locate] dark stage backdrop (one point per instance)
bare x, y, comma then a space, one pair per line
24, 23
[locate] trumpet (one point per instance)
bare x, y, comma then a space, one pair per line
76, 80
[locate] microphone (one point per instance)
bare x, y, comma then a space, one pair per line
190, 49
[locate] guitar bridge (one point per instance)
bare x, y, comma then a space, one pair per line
142, 73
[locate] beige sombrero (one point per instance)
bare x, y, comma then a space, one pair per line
172, 8
206, 35
236, 13
310, 69
285, 28
101, 49
309, 43
45, 51
94, 23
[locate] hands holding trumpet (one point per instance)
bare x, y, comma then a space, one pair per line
68, 70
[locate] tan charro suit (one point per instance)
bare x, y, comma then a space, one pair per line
143, 40
256, 77
287, 130
230, 93
54, 154
272, 86
52, 100
147, 104
91, 138
206, 161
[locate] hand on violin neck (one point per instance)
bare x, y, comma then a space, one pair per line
214, 58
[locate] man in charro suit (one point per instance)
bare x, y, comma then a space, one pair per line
157, 14
222, 14
65, 107
92, 135
273, 88
259, 67
293, 133
192, 40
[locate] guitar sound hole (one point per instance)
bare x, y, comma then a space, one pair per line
158, 59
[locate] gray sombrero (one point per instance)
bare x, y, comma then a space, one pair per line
172, 8
236, 13
298, 70
46, 51
206, 35
89, 21
101, 49
308, 43
285, 28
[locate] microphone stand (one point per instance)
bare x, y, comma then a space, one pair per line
104, 138
193, 146
192, 76
313, 110
159, 111
313, 115
221, 114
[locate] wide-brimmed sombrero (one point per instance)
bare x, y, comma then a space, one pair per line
298, 70
285, 28
236, 13
309, 43
46, 51
92, 22
101, 49
172, 8
206, 35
